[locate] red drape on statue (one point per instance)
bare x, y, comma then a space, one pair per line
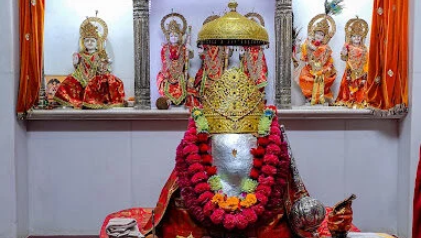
416, 225
31, 33
388, 60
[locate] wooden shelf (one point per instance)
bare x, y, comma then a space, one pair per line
131, 114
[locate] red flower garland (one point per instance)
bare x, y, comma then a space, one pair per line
194, 167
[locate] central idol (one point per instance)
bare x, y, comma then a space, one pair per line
234, 174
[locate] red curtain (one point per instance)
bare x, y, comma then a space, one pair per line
416, 223
388, 59
31, 32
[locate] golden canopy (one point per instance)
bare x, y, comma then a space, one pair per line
233, 29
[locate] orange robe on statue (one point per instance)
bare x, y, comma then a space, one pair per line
319, 74
353, 89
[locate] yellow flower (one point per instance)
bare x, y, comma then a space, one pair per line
251, 198
218, 198
249, 201
231, 204
233, 201
197, 113
245, 204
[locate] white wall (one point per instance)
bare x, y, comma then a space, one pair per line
14, 219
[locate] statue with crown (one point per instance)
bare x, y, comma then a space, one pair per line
234, 175
173, 78
353, 89
319, 73
91, 85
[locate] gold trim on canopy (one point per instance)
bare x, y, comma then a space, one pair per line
233, 29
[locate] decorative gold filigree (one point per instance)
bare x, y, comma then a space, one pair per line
323, 23
233, 104
93, 27
356, 26
233, 29
174, 26
88, 30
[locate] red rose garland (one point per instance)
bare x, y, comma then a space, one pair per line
194, 165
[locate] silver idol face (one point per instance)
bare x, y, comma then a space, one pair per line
232, 157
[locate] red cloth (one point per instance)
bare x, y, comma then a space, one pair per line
171, 221
416, 225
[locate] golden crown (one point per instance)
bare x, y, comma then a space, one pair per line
322, 26
233, 104
323, 23
173, 26
88, 30
356, 26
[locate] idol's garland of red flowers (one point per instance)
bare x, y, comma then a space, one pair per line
194, 165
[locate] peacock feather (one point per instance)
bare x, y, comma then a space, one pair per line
334, 7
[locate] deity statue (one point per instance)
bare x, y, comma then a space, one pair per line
175, 56
353, 89
253, 60
214, 62
82, 87
319, 73
194, 85
234, 173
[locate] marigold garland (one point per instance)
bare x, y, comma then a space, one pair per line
201, 187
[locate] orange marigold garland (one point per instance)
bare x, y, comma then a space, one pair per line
201, 187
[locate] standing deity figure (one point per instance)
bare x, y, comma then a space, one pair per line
214, 62
175, 56
79, 89
353, 89
253, 60
319, 73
